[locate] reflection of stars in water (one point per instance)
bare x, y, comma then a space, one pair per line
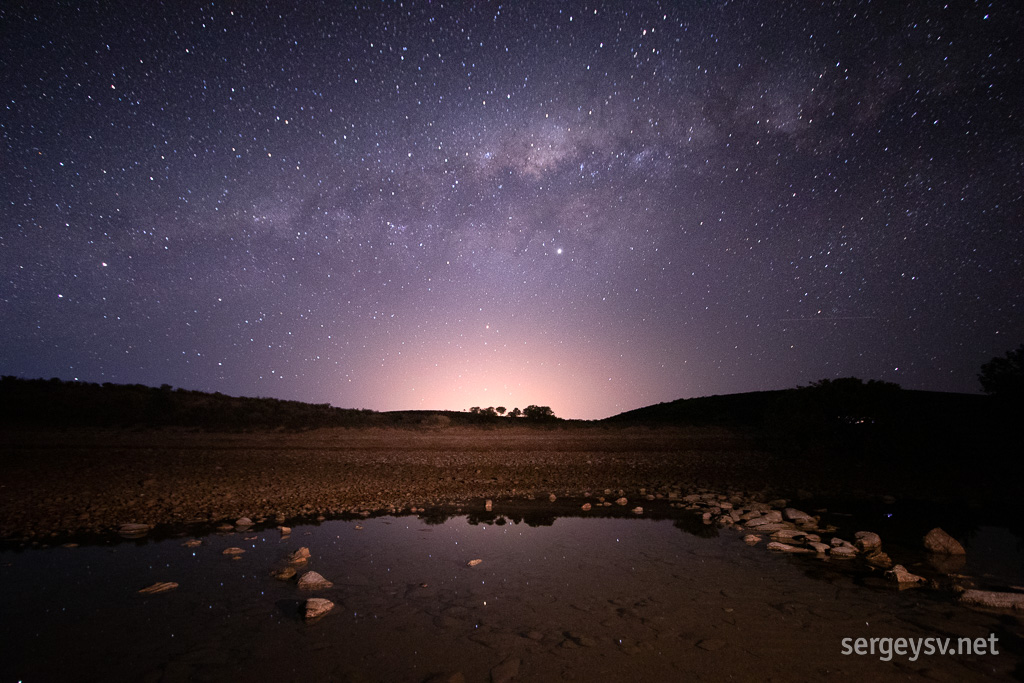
340, 226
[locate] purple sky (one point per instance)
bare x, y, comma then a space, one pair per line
436, 206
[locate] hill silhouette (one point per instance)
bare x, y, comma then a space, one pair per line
57, 403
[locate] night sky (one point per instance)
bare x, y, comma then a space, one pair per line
591, 206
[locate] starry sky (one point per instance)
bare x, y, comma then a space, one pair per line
590, 206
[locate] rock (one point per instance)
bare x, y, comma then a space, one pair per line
473, 563
159, 587
232, 551
993, 599
506, 671
879, 559
318, 607
225, 527
488, 505
900, 575
778, 503
818, 547
785, 548
867, 541
243, 522
133, 530
192, 543
312, 581
283, 574
771, 517
939, 542
751, 539
789, 536
797, 516
552, 498
638, 510
585, 507
285, 530
621, 501
299, 556
843, 552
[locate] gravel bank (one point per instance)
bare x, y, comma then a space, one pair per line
93, 481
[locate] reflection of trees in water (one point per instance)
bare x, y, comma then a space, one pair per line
434, 517
694, 524
529, 518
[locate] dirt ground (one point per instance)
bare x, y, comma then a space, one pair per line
83, 481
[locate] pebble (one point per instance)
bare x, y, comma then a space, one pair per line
473, 563
232, 551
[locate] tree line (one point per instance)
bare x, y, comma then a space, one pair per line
530, 412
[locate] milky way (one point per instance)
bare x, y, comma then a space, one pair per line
590, 206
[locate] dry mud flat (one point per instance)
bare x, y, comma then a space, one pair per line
93, 481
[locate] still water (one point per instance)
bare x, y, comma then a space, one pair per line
568, 599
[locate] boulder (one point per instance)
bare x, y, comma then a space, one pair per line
751, 539
621, 501
313, 581
867, 541
820, 548
317, 607
939, 542
243, 522
585, 507
232, 551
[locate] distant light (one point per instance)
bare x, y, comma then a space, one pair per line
558, 251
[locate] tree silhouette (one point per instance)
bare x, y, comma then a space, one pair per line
515, 413
500, 410
1003, 376
539, 412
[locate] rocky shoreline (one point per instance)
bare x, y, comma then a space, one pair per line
63, 486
